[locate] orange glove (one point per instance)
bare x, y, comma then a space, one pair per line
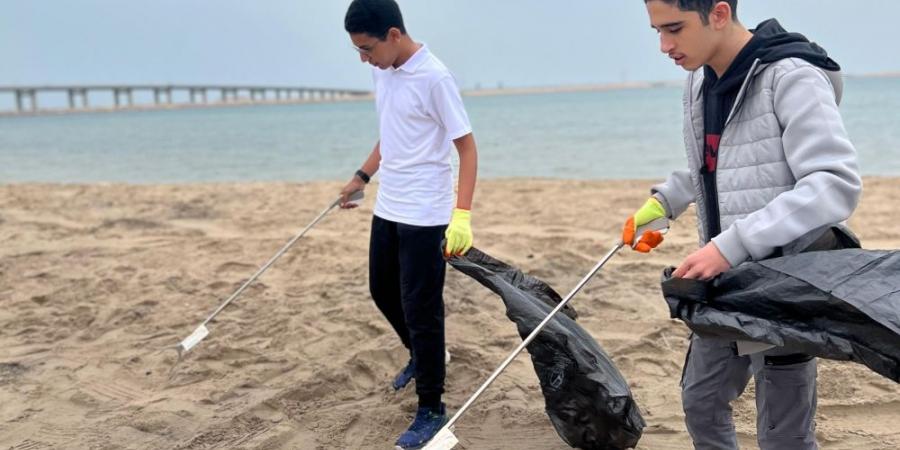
652, 210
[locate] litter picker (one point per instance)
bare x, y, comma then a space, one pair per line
202, 331
445, 439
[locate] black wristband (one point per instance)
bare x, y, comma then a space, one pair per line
363, 176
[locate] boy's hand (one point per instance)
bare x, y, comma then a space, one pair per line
704, 264
652, 210
355, 184
459, 233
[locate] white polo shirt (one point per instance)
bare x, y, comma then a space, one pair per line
420, 113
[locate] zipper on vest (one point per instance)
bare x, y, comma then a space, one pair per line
739, 100
709, 168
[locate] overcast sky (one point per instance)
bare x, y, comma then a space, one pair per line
302, 42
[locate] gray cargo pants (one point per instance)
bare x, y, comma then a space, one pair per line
714, 376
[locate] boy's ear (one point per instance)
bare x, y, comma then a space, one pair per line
720, 15
394, 34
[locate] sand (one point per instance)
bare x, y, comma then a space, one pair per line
99, 282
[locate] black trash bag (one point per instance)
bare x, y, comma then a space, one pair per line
587, 399
837, 304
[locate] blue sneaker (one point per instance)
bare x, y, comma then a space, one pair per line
427, 423
404, 377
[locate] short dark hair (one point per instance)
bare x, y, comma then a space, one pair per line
703, 7
373, 17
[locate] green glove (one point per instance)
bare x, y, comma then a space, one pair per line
459, 233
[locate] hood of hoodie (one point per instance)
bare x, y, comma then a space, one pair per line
770, 43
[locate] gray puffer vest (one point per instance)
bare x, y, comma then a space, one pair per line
785, 164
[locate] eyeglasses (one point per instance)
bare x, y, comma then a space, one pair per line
364, 50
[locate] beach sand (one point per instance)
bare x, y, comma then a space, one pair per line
99, 282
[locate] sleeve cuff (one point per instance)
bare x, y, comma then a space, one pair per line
729, 244
662, 201
460, 133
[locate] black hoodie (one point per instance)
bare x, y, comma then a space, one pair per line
770, 43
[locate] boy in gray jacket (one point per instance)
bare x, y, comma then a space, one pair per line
769, 161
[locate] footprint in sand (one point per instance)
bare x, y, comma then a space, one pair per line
129, 224
10, 372
233, 434
235, 267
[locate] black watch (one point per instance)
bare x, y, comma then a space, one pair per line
363, 176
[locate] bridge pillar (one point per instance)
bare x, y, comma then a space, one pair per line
34, 102
19, 95
130, 95
73, 95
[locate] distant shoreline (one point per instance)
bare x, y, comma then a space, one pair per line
172, 106
485, 92
370, 97
570, 88
534, 90
616, 86
889, 74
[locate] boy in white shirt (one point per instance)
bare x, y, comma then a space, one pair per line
420, 114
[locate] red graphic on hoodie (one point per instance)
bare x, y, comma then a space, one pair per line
711, 151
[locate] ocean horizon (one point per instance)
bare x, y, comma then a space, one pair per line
577, 134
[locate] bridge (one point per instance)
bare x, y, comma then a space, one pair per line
26, 97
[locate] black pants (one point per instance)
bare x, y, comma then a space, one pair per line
406, 279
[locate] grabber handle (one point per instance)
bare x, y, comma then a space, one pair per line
661, 225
